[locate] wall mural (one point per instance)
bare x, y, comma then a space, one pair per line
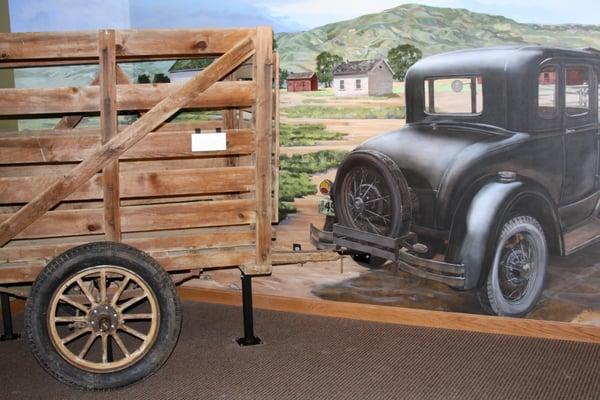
345, 81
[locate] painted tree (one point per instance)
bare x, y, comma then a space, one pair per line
326, 63
283, 75
401, 58
143, 78
161, 78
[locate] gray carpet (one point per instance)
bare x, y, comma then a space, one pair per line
326, 358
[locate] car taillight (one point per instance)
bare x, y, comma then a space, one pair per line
325, 187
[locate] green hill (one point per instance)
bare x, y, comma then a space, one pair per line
431, 29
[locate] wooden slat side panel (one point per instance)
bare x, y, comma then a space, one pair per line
169, 241
142, 218
57, 148
206, 259
131, 44
135, 97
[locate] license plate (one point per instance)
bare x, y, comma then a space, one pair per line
326, 207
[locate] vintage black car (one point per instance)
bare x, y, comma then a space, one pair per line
496, 169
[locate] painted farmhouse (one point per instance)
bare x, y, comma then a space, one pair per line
302, 82
363, 78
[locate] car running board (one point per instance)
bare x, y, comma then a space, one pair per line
584, 236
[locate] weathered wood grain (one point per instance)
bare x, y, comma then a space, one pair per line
108, 129
75, 147
59, 48
122, 142
141, 218
135, 184
263, 125
130, 97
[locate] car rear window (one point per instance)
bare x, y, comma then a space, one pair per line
454, 95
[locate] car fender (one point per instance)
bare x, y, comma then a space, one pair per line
487, 208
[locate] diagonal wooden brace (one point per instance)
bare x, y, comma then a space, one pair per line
114, 148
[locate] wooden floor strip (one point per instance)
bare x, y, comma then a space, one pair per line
404, 316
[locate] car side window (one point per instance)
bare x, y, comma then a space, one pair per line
547, 91
577, 90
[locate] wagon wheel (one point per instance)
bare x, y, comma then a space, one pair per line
102, 315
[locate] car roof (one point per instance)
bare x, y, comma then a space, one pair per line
493, 59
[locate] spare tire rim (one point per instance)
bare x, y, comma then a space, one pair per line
518, 267
103, 319
367, 201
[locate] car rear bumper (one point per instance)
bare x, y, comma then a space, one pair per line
347, 240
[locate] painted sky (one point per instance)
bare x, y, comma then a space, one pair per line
283, 15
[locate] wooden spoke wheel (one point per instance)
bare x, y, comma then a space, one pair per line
106, 301
102, 315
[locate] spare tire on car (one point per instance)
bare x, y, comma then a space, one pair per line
372, 195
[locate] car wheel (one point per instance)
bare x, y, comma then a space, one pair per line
102, 316
516, 277
372, 195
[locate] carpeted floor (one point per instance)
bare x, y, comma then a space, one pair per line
326, 358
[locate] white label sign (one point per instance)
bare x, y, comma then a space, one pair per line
213, 141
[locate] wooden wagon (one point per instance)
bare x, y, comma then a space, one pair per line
95, 217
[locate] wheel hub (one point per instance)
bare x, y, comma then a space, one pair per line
359, 205
103, 318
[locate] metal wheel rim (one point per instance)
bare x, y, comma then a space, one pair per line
518, 266
110, 303
367, 201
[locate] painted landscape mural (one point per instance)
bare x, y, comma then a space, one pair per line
319, 128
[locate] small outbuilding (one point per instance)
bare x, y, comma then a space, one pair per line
302, 82
363, 78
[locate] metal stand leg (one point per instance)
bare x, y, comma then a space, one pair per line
249, 339
7, 319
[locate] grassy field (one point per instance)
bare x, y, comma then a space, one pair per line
294, 176
305, 134
344, 112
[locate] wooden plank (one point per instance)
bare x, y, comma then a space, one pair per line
263, 156
141, 218
276, 96
135, 184
404, 316
167, 241
203, 259
58, 48
75, 147
130, 97
71, 121
108, 129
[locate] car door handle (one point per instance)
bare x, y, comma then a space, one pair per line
569, 131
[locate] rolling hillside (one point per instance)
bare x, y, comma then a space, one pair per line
431, 29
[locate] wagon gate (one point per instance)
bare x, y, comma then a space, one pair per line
143, 184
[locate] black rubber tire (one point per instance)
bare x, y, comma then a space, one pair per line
490, 294
369, 261
394, 180
75, 260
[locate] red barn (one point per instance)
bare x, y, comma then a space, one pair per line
302, 82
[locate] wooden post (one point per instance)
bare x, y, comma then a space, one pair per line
119, 144
276, 139
263, 72
108, 128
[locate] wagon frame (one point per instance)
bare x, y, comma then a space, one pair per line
142, 184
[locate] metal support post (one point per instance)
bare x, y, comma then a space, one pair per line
249, 339
7, 319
